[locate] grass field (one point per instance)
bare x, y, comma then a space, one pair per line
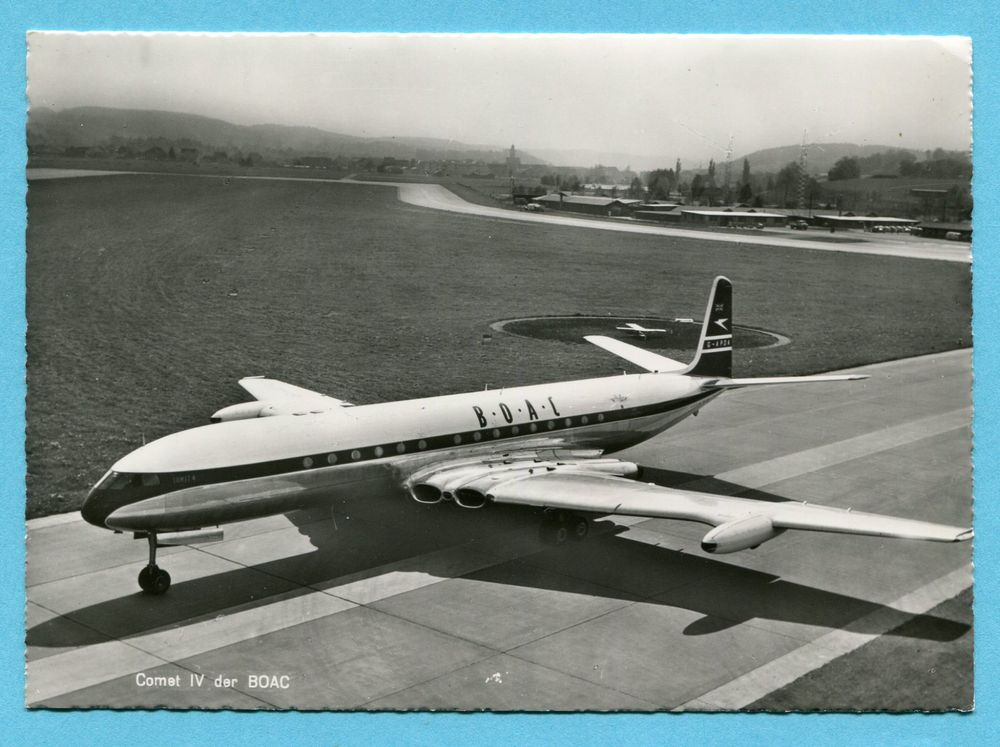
149, 296
179, 167
478, 191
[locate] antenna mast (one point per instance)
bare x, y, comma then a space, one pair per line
803, 160
728, 169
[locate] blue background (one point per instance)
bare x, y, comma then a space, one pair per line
979, 20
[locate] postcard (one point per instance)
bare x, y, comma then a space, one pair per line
381, 372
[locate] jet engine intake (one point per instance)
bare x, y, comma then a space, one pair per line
424, 493
739, 534
468, 498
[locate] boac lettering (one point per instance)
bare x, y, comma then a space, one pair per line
506, 412
480, 416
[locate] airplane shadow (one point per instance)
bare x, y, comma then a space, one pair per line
357, 537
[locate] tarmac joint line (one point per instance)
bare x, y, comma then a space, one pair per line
765, 679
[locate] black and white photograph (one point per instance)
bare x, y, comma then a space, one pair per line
499, 372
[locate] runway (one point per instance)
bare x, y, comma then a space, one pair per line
389, 605
439, 197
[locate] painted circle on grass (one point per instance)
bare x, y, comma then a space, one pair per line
679, 336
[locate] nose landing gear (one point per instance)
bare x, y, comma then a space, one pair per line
153, 579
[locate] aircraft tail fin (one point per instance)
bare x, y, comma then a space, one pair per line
714, 356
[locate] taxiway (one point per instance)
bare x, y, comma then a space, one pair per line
391, 605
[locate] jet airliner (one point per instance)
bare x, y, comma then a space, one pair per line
638, 329
546, 446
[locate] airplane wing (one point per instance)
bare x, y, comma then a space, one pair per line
642, 358
598, 486
277, 398
263, 388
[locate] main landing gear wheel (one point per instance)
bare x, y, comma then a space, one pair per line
553, 532
153, 579
579, 527
559, 528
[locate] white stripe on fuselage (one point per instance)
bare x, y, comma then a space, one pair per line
265, 439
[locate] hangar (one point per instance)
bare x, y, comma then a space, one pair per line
610, 206
662, 212
730, 217
953, 231
658, 207
862, 221
661, 216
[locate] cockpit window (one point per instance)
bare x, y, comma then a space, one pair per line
106, 480
117, 481
150, 479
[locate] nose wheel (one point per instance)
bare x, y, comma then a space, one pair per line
153, 579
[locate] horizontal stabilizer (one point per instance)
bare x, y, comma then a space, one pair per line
642, 358
725, 383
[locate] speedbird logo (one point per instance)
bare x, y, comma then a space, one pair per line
722, 323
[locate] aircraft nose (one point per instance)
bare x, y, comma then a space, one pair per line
95, 509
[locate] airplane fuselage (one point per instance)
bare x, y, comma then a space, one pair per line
540, 446
370, 448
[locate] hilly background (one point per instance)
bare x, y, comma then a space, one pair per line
91, 126
100, 126
821, 157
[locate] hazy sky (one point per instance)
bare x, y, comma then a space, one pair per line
663, 96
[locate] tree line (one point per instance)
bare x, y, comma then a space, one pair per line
937, 164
